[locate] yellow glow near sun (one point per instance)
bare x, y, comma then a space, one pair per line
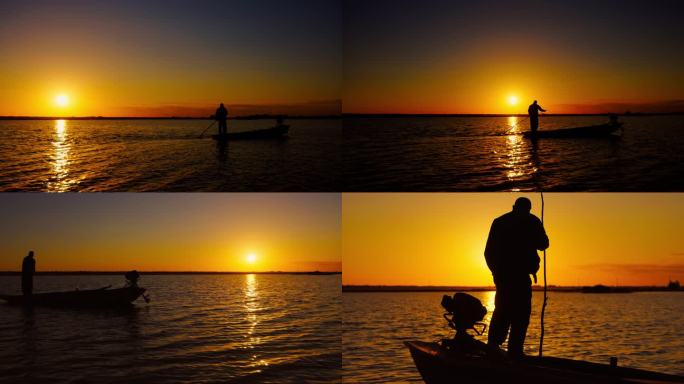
251, 258
513, 100
62, 100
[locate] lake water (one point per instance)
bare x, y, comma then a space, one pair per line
489, 154
166, 155
644, 330
216, 328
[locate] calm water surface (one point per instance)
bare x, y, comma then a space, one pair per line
237, 328
489, 154
165, 155
644, 330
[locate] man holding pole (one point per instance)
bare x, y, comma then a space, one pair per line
511, 255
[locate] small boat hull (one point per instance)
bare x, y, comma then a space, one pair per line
102, 297
438, 365
594, 131
260, 134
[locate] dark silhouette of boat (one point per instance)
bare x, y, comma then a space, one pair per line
438, 364
595, 131
465, 360
103, 297
276, 132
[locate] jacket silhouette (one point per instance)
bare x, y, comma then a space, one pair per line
533, 112
28, 269
511, 255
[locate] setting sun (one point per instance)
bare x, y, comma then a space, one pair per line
513, 100
252, 258
62, 100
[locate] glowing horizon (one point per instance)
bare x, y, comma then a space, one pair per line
460, 57
172, 233
438, 239
132, 59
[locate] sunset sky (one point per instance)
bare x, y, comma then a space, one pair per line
171, 232
439, 239
496, 56
163, 58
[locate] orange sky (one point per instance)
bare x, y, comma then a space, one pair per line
158, 58
439, 239
171, 232
469, 57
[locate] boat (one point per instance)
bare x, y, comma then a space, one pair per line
440, 365
593, 131
465, 360
276, 132
103, 297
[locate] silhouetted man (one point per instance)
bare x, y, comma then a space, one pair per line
511, 255
28, 268
533, 111
222, 116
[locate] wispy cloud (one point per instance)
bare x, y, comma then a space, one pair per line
634, 269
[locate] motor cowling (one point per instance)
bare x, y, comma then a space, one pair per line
463, 311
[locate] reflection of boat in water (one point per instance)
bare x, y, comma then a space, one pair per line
464, 359
276, 132
101, 298
600, 288
595, 131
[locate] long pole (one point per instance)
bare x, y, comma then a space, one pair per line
541, 337
207, 128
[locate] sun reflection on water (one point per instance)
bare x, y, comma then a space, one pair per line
252, 307
60, 159
518, 159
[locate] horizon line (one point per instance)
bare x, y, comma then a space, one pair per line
244, 117
12, 273
506, 114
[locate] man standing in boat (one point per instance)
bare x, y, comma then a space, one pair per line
221, 116
511, 255
533, 112
28, 269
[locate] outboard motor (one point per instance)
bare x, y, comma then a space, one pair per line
132, 278
464, 312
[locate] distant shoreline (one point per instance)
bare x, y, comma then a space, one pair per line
441, 288
250, 117
410, 115
103, 273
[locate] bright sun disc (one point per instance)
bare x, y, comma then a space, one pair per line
512, 100
251, 258
62, 100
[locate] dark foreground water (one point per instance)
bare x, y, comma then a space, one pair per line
238, 328
489, 154
644, 330
166, 155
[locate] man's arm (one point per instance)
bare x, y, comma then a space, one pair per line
541, 109
491, 248
542, 238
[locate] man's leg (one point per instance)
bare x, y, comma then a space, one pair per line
501, 319
520, 320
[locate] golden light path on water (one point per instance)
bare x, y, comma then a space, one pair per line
519, 161
60, 159
252, 307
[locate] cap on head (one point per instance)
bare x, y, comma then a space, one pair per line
522, 204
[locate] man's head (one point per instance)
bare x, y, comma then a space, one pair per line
221, 104
522, 205
534, 102
30, 254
